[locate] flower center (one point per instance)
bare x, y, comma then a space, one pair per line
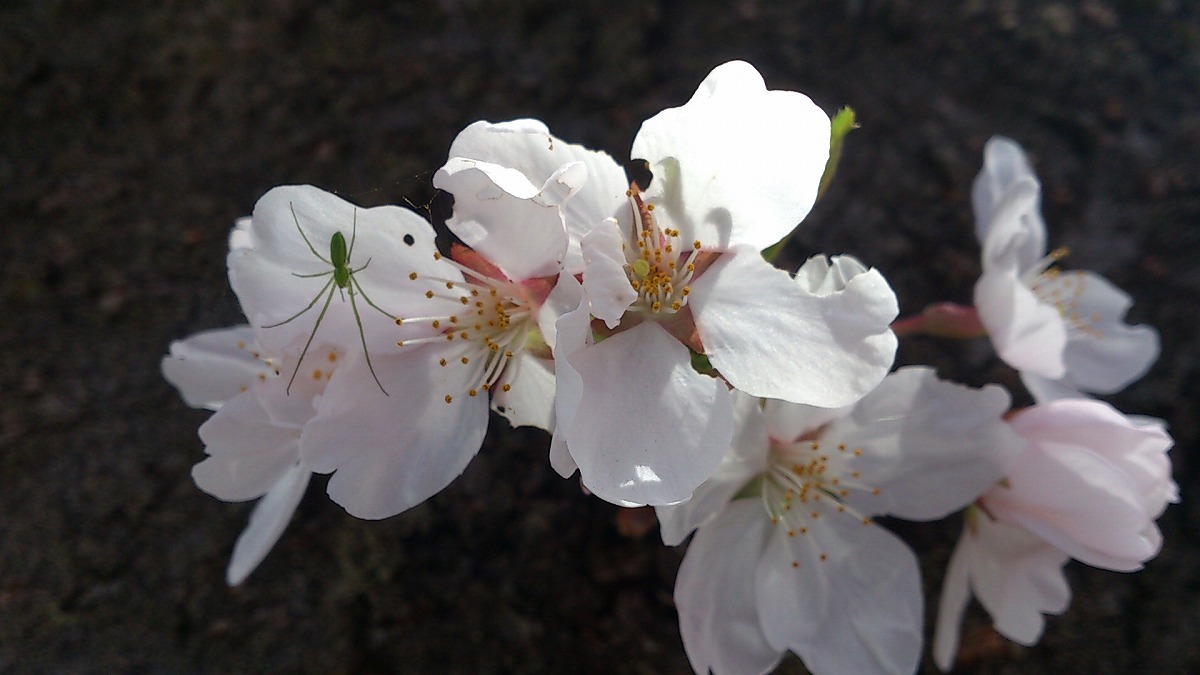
808, 480
494, 322
658, 263
1061, 290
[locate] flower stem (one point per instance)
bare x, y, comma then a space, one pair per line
942, 319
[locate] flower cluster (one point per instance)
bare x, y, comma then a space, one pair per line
645, 328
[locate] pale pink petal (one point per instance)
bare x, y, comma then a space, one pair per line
248, 452
213, 366
1136, 447
714, 593
267, 522
607, 286
499, 213
1077, 500
1016, 576
1044, 389
929, 446
771, 337
1028, 334
269, 252
648, 428
393, 452
736, 164
527, 146
1103, 354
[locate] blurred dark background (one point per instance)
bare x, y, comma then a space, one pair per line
132, 133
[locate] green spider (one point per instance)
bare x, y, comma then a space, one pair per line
341, 278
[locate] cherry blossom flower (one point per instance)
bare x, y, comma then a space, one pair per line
394, 445
677, 270
1089, 485
1064, 331
786, 556
251, 454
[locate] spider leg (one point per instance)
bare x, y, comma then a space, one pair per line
313, 334
310, 246
363, 293
363, 338
310, 306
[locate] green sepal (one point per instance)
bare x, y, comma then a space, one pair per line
842, 123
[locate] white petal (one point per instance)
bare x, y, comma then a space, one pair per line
770, 337
213, 366
746, 459
1044, 389
267, 522
825, 276
1004, 164
791, 589
1016, 237
248, 452
394, 452
648, 428
604, 280
499, 213
930, 446
574, 333
787, 422
270, 252
736, 164
1103, 354
714, 594
1017, 578
530, 401
527, 146
873, 618
1028, 334
566, 296
956, 594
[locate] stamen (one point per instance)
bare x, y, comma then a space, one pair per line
487, 335
655, 268
799, 473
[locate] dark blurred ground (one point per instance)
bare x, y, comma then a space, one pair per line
135, 132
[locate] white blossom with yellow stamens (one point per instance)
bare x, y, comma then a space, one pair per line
1065, 331
786, 555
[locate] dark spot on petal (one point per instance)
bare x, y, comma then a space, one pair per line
408, 239
638, 171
